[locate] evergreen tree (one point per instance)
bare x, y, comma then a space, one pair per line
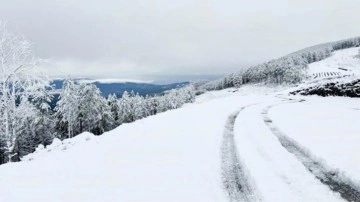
113, 103
94, 114
67, 109
125, 108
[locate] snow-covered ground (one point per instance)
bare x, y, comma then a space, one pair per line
176, 155
252, 144
328, 127
173, 156
343, 62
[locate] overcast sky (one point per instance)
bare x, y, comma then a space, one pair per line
133, 38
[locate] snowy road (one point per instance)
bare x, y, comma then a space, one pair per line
329, 177
278, 175
290, 172
236, 179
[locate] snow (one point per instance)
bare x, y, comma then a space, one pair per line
328, 127
279, 175
348, 59
176, 155
173, 156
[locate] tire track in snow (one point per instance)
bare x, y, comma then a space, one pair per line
235, 178
329, 177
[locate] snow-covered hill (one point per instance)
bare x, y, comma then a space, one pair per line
337, 75
341, 63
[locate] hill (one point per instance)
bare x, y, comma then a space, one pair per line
288, 70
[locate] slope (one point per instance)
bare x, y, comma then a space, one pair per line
173, 156
343, 62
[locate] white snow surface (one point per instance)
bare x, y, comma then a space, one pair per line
328, 127
348, 59
278, 174
175, 156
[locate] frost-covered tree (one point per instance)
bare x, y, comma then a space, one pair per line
125, 108
106, 121
27, 119
347, 43
175, 98
88, 113
162, 103
18, 83
187, 94
139, 107
82, 108
67, 109
94, 114
3, 146
45, 123
34, 122
132, 107
151, 104
113, 103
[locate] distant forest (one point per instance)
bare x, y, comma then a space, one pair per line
289, 69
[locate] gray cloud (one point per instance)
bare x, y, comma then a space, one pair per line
130, 38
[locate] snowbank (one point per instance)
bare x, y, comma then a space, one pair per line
58, 146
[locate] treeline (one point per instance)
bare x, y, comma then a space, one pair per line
348, 43
80, 108
286, 70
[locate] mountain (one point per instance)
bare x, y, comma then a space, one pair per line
118, 87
